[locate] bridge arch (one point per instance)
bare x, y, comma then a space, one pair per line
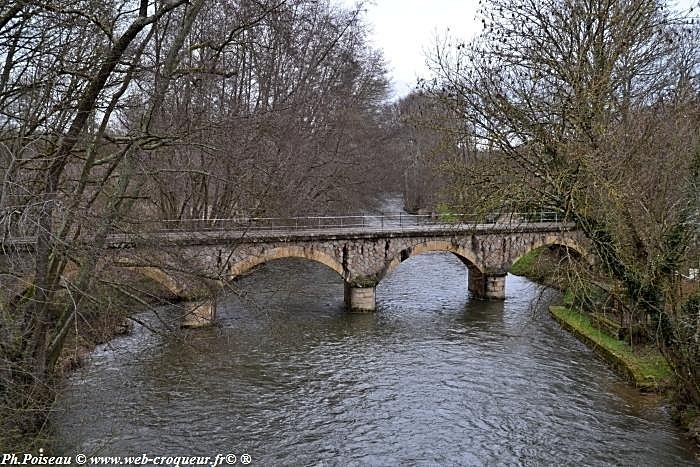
160, 277
552, 240
464, 254
163, 278
310, 253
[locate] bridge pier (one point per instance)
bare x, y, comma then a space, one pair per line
360, 299
202, 314
486, 286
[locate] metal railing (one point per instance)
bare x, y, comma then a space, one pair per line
365, 222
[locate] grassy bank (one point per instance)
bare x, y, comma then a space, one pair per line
538, 266
525, 265
643, 366
646, 369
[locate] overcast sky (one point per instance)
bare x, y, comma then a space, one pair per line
405, 29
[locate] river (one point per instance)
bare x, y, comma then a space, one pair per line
432, 378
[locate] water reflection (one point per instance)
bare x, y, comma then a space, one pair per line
432, 378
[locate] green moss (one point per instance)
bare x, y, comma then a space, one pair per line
525, 265
648, 370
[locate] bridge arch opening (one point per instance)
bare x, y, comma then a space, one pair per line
466, 256
564, 248
313, 254
158, 276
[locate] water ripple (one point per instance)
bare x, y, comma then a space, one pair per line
432, 378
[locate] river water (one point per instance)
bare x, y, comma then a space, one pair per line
431, 378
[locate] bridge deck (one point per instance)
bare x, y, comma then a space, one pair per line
338, 233
224, 231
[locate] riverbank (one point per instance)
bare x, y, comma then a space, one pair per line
645, 369
118, 304
642, 366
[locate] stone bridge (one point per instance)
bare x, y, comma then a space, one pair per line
361, 255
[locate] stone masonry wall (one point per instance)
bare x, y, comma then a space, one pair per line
360, 259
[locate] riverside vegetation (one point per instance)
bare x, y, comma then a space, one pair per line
591, 110
640, 363
117, 114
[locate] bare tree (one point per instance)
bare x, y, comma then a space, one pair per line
68, 75
112, 113
283, 121
434, 144
591, 109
